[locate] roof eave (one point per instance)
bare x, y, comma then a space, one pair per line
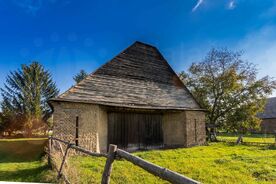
136, 106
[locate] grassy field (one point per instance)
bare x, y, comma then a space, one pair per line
216, 163
255, 138
20, 160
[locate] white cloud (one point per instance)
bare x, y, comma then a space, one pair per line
231, 5
199, 2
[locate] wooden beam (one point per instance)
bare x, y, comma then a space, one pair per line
63, 160
108, 165
88, 152
156, 170
49, 150
80, 148
62, 152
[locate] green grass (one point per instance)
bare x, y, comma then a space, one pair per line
23, 139
255, 138
20, 160
213, 164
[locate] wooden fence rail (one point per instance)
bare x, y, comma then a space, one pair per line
78, 148
156, 170
115, 153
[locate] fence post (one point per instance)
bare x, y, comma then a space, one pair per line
62, 152
108, 165
240, 139
49, 150
275, 139
63, 160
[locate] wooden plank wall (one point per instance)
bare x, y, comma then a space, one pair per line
140, 130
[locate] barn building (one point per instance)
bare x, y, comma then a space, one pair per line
135, 101
268, 124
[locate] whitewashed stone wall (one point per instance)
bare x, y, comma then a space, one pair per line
92, 124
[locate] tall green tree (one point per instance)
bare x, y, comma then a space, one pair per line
1, 122
26, 92
80, 76
227, 86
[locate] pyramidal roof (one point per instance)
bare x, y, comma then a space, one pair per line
138, 77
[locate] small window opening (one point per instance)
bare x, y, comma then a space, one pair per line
77, 131
195, 130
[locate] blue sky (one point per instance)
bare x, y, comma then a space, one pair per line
69, 35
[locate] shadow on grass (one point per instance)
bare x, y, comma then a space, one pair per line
272, 147
22, 151
30, 175
21, 160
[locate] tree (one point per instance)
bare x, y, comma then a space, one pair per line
25, 95
228, 88
80, 76
1, 122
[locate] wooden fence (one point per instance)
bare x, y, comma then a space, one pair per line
113, 154
263, 141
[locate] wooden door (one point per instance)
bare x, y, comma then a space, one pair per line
135, 130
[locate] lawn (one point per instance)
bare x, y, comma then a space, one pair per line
21, 160
251, 138
216, 163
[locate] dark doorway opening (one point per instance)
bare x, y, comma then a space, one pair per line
132, 131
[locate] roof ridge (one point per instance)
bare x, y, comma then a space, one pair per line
143, 43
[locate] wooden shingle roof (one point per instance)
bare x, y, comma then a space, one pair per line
139, 77
270, 109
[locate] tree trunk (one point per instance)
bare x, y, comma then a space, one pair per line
213, 135
240, 139
29, 132
275, 139
208, 138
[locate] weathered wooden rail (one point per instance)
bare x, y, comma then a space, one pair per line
115, 153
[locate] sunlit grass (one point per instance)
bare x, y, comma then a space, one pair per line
22, 139
262, 138
216, 163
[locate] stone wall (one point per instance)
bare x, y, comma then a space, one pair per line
184, 129
268, 126
195, 128
174, 129
92, 123
180, 129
